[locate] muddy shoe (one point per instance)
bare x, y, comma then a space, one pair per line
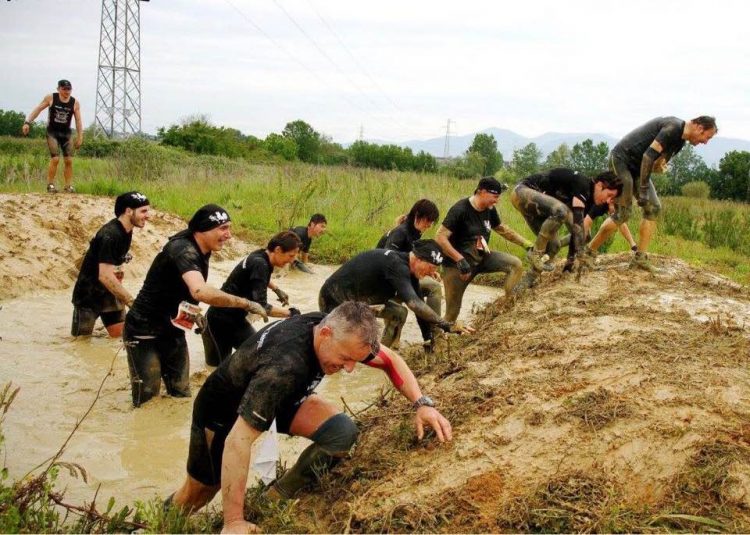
69, 189
538, 260
528, 280
587, 258
51, 188
641, 261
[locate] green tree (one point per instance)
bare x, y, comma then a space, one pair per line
282, 146
307, 139
686, 166
733, 178
12, 121
588, 158
485, 146
526, 161
560, 157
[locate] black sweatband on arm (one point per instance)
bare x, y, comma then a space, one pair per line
651, 153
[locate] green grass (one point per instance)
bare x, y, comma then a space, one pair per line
360, 203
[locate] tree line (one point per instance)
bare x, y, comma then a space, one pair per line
687, 172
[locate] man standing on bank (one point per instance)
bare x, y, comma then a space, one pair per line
226, 328
273, 376
156, 347
555, 198
315, 228
98, 292
633, 159
385, 277
62, 108
464, 237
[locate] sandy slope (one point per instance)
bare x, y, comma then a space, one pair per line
596, 406
44, 235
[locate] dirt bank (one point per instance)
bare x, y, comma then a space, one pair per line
618, 404
44, 235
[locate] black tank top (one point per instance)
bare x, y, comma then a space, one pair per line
60, 114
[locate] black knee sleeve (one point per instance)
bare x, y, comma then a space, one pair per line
337, 434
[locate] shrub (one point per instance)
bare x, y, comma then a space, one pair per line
696, 189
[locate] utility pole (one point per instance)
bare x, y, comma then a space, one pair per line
447, 150
361, 132
118, 81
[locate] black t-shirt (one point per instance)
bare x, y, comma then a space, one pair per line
666, 130
164, 289
60, 114
274, 368
598, 210
109, 246
304, 238
400, 238
467, 225
372, 277
564, 185
249, 279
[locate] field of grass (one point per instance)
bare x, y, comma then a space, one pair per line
360, 203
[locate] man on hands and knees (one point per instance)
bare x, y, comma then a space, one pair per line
558, 197
272, 376
387, 277
315, 228
98, 292
155, 343
226, 328
464, 237
62, 108
646, 149
420, 218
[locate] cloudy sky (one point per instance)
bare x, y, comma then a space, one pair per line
399, 69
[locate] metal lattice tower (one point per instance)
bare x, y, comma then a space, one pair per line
118, 82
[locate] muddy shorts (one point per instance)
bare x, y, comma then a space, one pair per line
221, 336
85, 318
151, 359
57, 141
624, 202
544, 215
207, 446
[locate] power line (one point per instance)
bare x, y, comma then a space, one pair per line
353, 57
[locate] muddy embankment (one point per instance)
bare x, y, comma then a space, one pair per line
132, 454
620, 403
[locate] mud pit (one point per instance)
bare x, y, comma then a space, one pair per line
133, 454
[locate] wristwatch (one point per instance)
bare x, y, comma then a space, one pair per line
424, 401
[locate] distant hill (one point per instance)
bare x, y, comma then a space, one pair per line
508, 141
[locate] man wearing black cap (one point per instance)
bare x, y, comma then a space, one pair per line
154, 340
315, 228
383, 277
464, 237
99, 292
62, 108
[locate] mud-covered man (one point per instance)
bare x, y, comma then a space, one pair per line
226, 328
98, 292
273, 376
464, 237
156, 347
645, 150
597, 211
315, 228
62, 108
558, 197
423, 214
388, 277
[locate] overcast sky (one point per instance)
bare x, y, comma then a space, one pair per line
400, 69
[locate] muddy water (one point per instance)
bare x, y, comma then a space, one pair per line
132, 454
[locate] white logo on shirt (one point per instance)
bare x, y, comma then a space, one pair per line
487, 225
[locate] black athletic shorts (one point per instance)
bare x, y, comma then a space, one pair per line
85, 318
58, 140
204, 461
